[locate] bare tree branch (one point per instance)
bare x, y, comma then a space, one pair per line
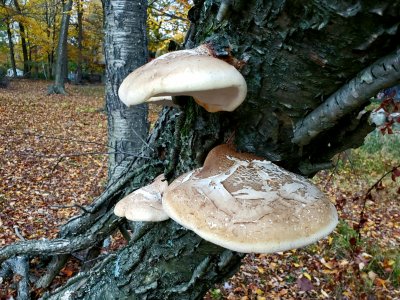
383, 73
108, 223
68, 140
162, 13
71, 206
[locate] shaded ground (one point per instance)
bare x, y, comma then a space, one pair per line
52, 160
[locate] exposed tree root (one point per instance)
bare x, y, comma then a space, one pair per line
101, 230
53, 268
19, 267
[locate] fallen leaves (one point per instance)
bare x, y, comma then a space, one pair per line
304, 283
44, 169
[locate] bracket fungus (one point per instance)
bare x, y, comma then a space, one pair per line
246, 204
144, 204
213, 83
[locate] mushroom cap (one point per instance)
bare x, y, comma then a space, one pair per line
247, 204
213, 83
144, 204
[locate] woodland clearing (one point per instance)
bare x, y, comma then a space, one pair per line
53, 162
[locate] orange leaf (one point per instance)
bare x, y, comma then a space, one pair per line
67, 271
380, 282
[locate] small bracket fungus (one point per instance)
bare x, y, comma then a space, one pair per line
246, 204
144, 204
213, 83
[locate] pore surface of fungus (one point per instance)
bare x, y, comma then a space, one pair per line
247, 204
144, 204
213, 83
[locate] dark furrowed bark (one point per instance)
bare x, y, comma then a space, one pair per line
167, 262
296, 55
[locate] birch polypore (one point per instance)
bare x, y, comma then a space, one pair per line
246, 204
213, 83
144, 204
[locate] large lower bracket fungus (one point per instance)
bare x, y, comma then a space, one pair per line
213, 83
244, 203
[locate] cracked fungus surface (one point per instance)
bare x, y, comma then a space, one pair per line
250, 205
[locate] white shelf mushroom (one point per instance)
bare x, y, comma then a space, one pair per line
246, 204
144, 204
213, 83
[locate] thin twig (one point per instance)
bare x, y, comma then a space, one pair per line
62, 156
18, 233
54, 137
117, 151
366, 197
142, 140
162, 13
71, 206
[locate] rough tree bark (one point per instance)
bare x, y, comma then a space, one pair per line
61, 62
299, 56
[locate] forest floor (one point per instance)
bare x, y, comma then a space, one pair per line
53, 160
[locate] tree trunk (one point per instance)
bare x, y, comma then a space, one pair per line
125, 50
11, 47
61, 61
50, 62
23, 42
24, 50
50, 16
78, 79
299, 57
36, 63
8, 21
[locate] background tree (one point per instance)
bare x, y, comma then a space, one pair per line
93, 37
6, 14
310, 68
125, 50
166, 21
24, 44
51, 10
41, 20
79, 66
61, 66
